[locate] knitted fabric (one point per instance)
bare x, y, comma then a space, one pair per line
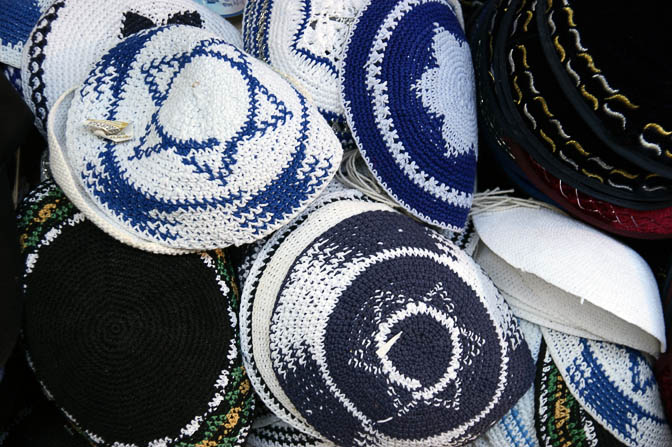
615, 385
408, 92
281, 434
16, 22
73, 35
641, 224
116, 345
304, 40
627, 104
560, 273
516, 428
559, 418
379, 331
571, 150
226, 151
267, 388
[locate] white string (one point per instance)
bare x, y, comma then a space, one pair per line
354, 173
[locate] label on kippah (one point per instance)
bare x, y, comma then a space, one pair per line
225, 8
115, 131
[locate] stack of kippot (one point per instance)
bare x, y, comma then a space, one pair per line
559, 102
359, 326
267, 231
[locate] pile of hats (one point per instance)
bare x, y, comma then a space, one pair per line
194, 275
577, 119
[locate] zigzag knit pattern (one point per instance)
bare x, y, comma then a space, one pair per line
615, 385
226, 151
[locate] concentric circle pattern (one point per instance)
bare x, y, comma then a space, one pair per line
369, 328
409, 96
123, 341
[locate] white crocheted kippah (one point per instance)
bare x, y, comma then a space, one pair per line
72, 35
224, 152
563, 274
304, 40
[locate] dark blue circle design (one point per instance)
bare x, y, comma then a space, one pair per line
407, 56
422, 353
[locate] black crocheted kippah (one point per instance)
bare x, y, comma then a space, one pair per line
617, 74
134, 347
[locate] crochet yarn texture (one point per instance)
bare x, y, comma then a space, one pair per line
304, 40
226, 150
379, 331
559, 418
615, 385
16, 22
409, 98
136, 349
73, 35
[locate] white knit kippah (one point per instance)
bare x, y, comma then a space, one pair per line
561, 273
225, 150
72, 35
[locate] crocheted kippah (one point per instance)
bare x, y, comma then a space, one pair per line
281, 434
73, 35
629, 222
559, 419
560, 273
626, 103
304, 40
560, 139
17, 20
134, 348
408, 92
372, 329
267, 388
615, 385
226, 151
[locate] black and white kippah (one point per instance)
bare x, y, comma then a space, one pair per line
362, 327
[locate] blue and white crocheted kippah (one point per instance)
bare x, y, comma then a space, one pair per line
73, 35
304, 39
371, 329
409, 97
225, 151
615, 385
16, 22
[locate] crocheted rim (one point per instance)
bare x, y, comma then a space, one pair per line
656, 229
353, 128
523, 258
555, 343
273, 396
601, 162
33, 58
582, 107
48, 222
278, 433
518, 130
64, 176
